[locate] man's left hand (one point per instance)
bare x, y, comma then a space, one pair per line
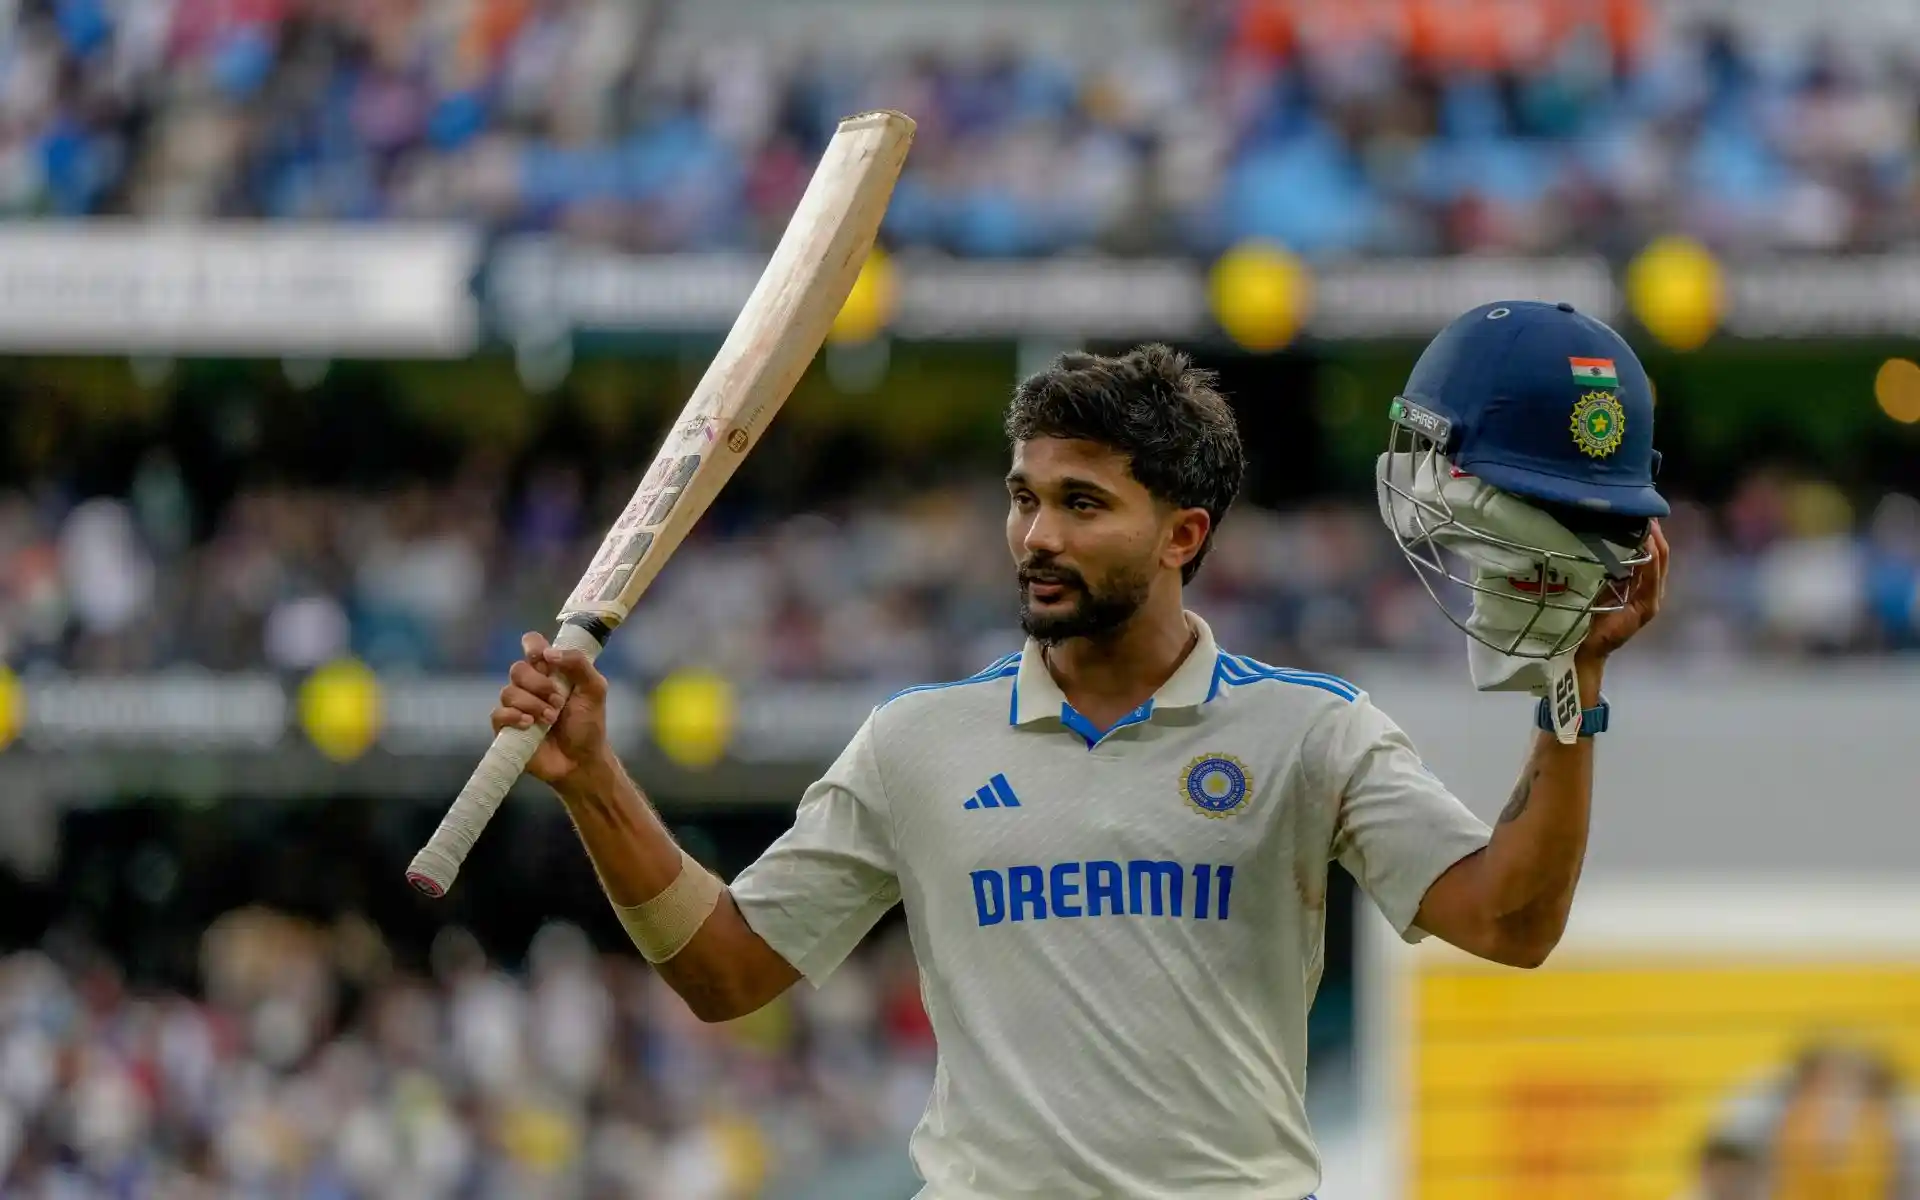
1610, 631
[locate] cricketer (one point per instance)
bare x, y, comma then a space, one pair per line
1112, 846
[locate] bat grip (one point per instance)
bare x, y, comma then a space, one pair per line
433, 869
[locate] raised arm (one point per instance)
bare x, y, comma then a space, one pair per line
1510, 902
726, 970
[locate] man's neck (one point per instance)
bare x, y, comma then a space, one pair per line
1106, 678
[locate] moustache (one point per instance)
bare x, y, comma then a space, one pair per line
1058, 575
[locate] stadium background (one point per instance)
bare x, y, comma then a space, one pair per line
336, 332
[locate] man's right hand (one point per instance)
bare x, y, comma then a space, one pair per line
576, 730
727, 970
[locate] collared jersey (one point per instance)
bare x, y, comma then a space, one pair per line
1119, 932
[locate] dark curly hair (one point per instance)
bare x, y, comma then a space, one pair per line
1152, 405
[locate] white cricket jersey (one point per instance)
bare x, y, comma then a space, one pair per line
1119, 935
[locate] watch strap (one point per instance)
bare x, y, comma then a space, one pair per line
1592, 720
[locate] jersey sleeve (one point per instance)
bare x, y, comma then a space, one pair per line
825, 881
1399, 827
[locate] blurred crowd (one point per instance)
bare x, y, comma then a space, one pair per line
307, 1066
885, 588
1395, 126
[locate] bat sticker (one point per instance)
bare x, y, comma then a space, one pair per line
630, 555
645, 494
670, 495
701, 424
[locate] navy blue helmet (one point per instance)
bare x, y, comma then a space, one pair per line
1520, 467
1543, 402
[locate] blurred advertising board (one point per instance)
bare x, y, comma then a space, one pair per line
237, 288
1693, 763
346, 709
1697, 1036
1259, 296
205, 736
539, 286
411, 290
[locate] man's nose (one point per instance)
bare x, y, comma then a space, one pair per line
1043, 534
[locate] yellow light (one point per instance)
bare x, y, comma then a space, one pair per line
746, 1158
1816, 508
1897, 388
869, 305
693, 718
539, 1137
1676, 291
13, 707
1261, 295
340, 709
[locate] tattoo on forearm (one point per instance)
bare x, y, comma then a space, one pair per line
1522, 793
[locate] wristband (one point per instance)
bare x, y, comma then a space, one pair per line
662, 927
1592, 720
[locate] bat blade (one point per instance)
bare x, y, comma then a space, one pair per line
779, 330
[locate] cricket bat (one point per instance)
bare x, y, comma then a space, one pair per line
778, 332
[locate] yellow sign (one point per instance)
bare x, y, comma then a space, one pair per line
339, 708
869, 305
1676, 291
1896, 386
1261, 295
13, 707
1608, 1082
1759, 1039
693, 718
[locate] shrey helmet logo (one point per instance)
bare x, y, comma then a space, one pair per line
1599, 424
1216, 785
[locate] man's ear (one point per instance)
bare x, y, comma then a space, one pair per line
1187, 534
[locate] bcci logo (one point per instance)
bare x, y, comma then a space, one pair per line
1217, 785
1599, 424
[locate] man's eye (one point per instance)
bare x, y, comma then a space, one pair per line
1082, 503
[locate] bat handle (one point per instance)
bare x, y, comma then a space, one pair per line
433, 869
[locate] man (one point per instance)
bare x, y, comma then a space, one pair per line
1112, 847
1833, 1125
1727, 1170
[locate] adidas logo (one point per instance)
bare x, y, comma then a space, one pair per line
997, 793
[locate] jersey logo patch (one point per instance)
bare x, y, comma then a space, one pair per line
997, 793
1216, 785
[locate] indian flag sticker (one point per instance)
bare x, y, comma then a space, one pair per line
1595, 371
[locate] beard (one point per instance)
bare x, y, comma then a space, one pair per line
1088, 610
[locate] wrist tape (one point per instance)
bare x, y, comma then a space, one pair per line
662, 927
